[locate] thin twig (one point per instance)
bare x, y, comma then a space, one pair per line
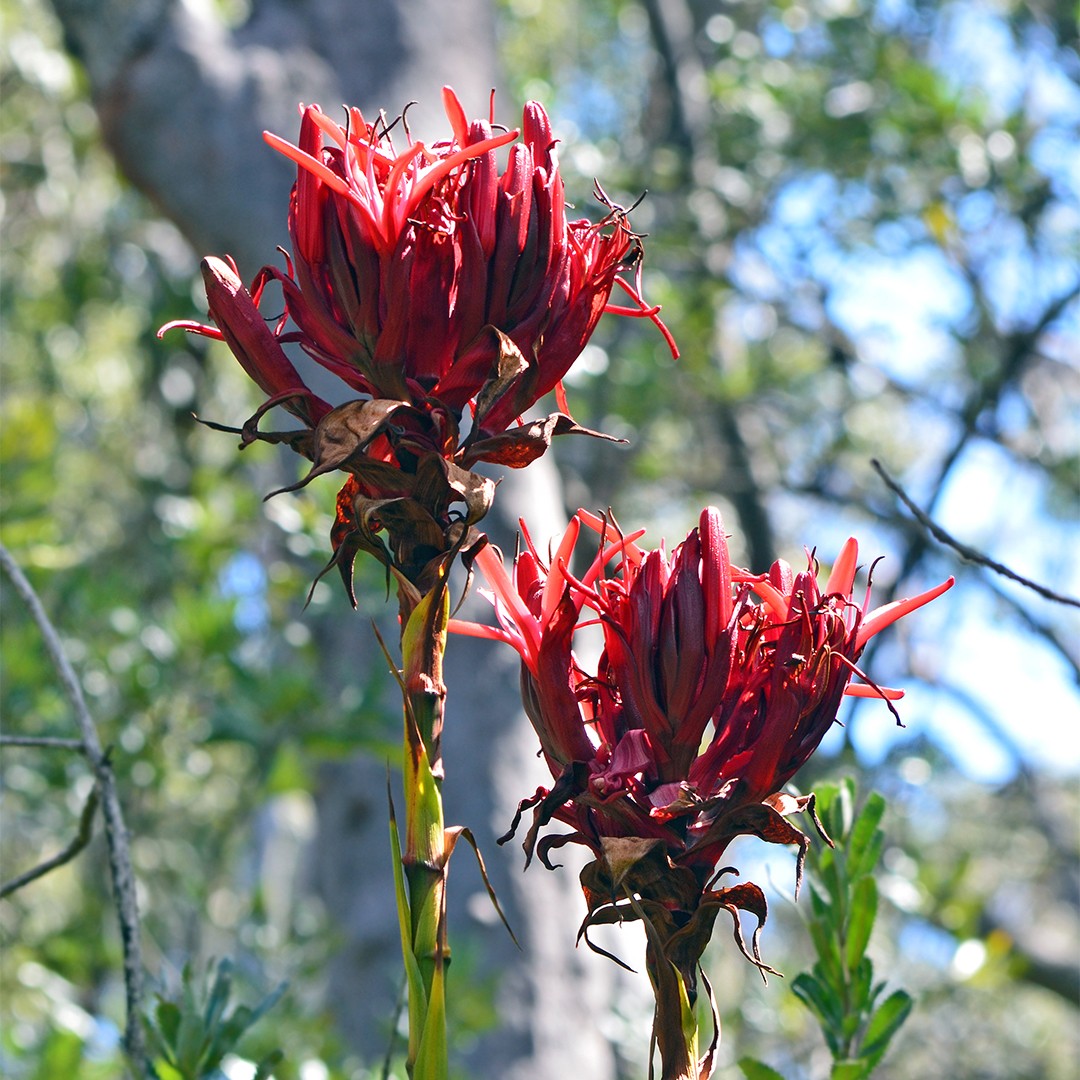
116, 835
50, 742
968, 553
81, 839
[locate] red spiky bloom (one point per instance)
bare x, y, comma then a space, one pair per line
421, 274
429, 283
713, 688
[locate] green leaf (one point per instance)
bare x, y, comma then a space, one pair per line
870, 856
817, 996
822, 1001
818, 903
431, 1057
219, 995
862, 849
756, 1070
828, 952
231, 1030
850, 1026
861, 997
849, 1070
191, 1039
413, 977
832, 873
884, 1024
825, 795
837, 816
864, 904
269, 1002
167, 1015
264, 1069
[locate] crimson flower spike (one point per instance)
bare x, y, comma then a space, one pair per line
418, 271
714, 686
430, 282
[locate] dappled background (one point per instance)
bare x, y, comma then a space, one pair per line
864, 227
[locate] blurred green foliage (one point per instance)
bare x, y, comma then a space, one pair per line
178, 601
191, 1036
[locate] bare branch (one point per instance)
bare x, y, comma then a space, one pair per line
966, 552
49, 742
81, 839
116, 835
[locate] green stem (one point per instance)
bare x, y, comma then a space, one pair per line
424, 860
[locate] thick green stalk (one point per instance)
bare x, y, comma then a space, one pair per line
425, 854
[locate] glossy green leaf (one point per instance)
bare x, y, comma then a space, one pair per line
822, 1001
884, 1024
864, 904
757, 1070
864, 845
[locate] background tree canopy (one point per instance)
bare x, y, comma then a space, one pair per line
864, 227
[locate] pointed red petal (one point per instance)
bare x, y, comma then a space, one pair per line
877, 620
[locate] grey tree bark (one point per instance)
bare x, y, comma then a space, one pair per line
183, 100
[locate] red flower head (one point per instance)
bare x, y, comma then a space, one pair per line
421, 275
428, 283
409, 264
714, 686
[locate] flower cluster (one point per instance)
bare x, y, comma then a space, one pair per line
713, 687
429, 283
